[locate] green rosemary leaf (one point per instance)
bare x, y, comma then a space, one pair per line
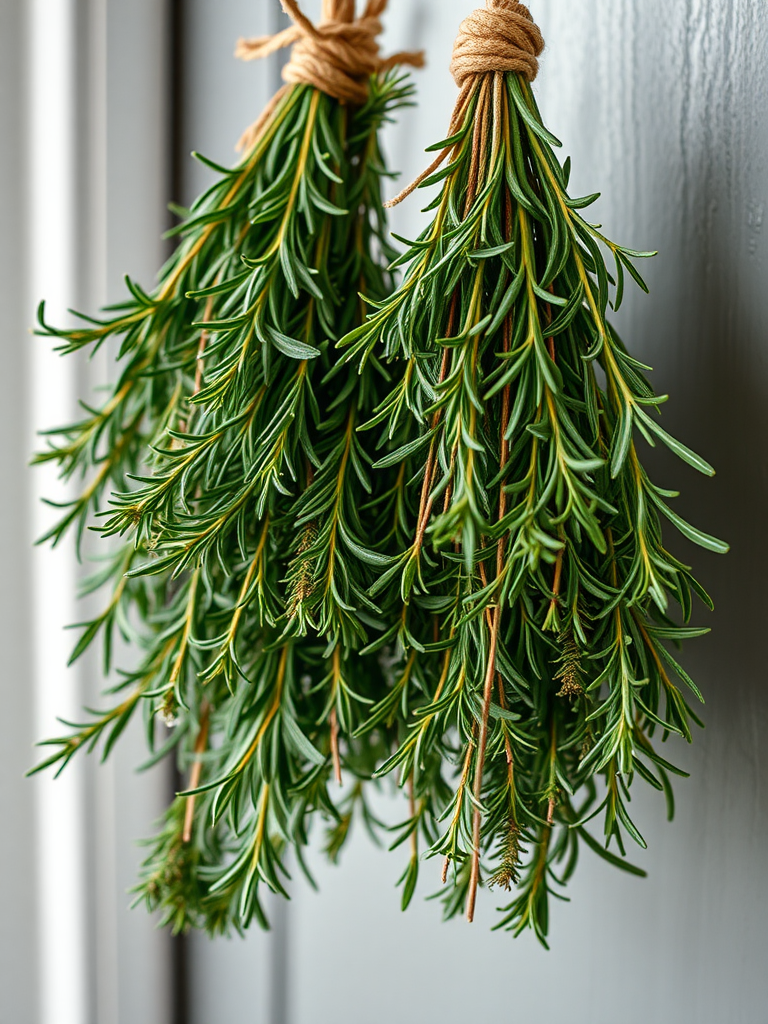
291, 347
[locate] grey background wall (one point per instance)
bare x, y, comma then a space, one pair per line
662, 107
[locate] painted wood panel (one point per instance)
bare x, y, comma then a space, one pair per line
662, 107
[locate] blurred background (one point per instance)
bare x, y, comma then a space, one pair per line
663, 108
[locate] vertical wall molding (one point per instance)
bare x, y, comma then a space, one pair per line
19, 933
53, 271
83, 106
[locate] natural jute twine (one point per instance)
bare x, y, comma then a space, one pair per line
338, 56
502, 37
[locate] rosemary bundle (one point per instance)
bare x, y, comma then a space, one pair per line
529, 595
417, 542
227, 471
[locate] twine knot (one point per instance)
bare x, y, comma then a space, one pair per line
501, 37
338, 56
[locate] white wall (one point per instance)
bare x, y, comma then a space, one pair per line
83, 181
135, 174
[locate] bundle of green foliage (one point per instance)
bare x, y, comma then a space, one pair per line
529, 600
242, 489
417, 542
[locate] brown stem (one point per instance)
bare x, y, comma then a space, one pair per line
505, 413
494, 622
462, 105
557, 581
197, 769
552, 788
335, 747
460, 793
482, 747
507, 744
551, 811
449, 488
479, 142
201, 348
334, 719
412, 808
550, 339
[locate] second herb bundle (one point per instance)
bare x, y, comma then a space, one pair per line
531, 599
244, 488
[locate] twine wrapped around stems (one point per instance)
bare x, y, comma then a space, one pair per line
502, 37
338, 56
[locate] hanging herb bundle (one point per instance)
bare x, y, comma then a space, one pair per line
530, 599
241, 486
